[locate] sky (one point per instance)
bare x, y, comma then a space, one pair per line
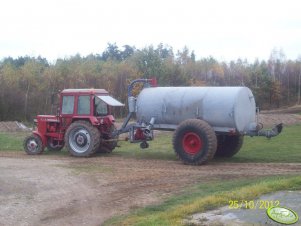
226, 30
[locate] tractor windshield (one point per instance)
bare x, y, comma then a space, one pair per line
102, 102
101, 108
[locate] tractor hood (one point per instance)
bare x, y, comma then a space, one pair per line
110, 101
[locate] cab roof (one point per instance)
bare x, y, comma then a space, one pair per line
85, 91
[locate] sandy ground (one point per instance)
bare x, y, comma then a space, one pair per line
47, 190
61, 190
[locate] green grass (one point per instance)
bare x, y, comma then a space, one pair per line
283, 148
286, 147
205, 197
12, 141
159, 148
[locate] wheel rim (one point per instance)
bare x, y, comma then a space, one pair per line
80, 140
192, 143
32, 145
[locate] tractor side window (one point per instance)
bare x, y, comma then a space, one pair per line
83, 107
101, 108
68, 105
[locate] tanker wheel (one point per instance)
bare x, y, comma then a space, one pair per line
33, 145
52, 146
227, 146
82, 139
194, 142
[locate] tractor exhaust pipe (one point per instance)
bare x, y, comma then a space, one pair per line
275, 131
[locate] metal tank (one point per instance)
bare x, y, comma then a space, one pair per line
226, 109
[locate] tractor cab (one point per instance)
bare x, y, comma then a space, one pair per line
86, 102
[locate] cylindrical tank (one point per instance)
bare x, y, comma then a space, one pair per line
224, 108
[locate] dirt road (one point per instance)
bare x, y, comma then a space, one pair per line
59, 190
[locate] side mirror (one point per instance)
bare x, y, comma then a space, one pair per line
55, 97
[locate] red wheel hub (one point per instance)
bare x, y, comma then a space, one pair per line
192, 143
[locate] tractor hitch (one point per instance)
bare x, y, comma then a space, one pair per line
275, 131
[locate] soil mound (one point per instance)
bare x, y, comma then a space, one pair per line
13, 126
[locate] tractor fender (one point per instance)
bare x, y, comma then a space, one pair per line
43, 138
93, 120
111, 119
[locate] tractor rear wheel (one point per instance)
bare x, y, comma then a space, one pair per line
33, 145
194, 142
82, 139
228, 146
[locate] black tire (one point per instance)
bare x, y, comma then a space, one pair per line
108, 146
228, 146
144, 145
33, 145
52, 147
194, 142
82, 139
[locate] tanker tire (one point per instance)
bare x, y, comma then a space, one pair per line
82, 139
33, 145
194, 142
228, 146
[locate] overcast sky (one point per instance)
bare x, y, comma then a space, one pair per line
224, 29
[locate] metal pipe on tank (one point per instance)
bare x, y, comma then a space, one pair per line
132, 104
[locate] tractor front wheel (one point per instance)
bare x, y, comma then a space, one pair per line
33, 145
82, 139
194, 142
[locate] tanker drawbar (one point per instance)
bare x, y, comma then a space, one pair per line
207, 122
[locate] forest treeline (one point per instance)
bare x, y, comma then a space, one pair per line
27, 83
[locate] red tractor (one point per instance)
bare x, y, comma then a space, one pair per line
83, 123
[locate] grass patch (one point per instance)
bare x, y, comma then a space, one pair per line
159, 148
205, 197
283, 148
12, 141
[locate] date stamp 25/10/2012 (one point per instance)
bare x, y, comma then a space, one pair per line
252, 204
